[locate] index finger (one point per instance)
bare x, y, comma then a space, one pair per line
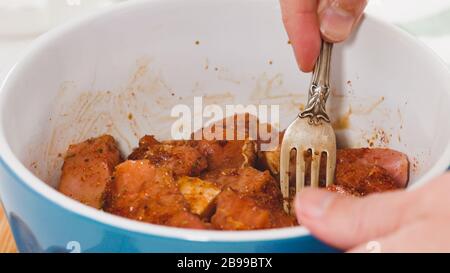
302, 25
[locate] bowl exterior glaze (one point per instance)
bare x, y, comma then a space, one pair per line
39, 225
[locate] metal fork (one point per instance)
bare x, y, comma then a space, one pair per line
311, 132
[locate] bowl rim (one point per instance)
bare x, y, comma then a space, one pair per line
19, 172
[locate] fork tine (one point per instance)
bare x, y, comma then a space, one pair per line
299, 170
284, 174
315, 168
331, 161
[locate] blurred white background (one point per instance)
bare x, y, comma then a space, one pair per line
21, 21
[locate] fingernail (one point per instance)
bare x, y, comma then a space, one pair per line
336, 23
313, 204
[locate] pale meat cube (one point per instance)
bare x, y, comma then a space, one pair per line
200, 194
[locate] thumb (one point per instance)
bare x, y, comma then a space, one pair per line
345, 221
339, 17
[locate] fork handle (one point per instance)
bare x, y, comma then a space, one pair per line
319, 90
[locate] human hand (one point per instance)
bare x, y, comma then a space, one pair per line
307, 20
401, 221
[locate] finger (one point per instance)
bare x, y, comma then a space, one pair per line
344, 221
434, 196
302, 25
428, 235
339, 17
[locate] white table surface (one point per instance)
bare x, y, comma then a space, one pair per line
428, 20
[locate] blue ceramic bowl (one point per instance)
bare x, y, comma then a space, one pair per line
144, 58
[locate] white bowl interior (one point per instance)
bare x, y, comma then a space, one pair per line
84, 80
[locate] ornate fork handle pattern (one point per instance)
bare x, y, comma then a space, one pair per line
319, 91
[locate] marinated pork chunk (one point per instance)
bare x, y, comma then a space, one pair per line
144, 144
224, 154
240, 212
393, 163
248, 181
251, 200
145, 192
361, 180
179, 157
235, 212
88, 168
361, 172
229, 143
